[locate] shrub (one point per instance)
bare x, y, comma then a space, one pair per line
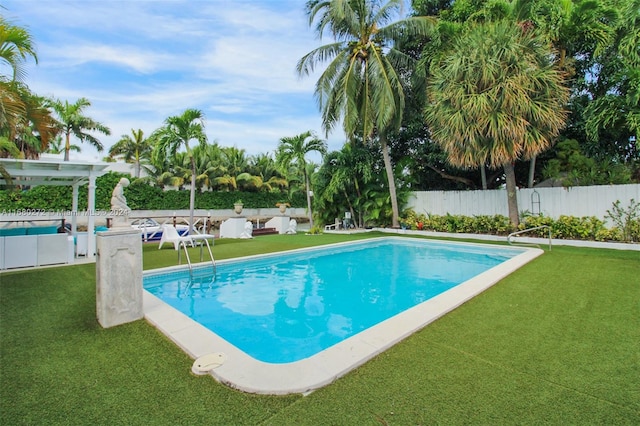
316, 230
565, 227
570, 227
627, 221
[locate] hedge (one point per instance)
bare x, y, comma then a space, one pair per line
140, 196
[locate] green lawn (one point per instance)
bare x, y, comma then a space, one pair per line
557, 342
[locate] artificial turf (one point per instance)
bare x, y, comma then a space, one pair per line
556, 342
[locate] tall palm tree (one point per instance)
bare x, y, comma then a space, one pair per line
208, 164
16, 45
574, 28
362, 85
56, 146
134, 149
177, 132
24, 118
72, 121
292, 151
496, 97
38, 126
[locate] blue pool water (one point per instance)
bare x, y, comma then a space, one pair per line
285, 308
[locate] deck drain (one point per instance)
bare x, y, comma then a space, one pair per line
206, 363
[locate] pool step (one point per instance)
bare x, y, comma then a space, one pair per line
264, 231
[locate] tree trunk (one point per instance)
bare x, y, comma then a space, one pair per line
353, 213
512, 200
395, 222
359, 194
532, 171
483, 176
192, 195
137, 169
67, 148
307, 186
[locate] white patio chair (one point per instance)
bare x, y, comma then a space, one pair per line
170, 235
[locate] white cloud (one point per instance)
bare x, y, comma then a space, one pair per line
131, 57
139, 62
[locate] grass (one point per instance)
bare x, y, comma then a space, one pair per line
556, 342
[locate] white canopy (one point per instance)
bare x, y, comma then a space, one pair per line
60, 173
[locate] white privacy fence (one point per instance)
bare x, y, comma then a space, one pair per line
551, 202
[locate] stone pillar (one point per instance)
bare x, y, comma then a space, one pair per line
91, 220
233, 227
119, 277
281, 223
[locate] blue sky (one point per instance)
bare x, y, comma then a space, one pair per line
139, 62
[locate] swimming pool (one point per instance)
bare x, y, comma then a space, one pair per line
288, 310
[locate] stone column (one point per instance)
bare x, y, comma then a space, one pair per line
281, 223
232, 227
119, 277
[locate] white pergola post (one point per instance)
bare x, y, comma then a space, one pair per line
91, 210
74, 210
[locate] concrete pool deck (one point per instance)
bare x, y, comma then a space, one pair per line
242, 372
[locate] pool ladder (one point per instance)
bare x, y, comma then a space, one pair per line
183, 245
513, 234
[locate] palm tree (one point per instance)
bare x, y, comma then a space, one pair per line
177, 132
208, 164
234, 160
136, 149
342, 177
574, 28
494, 98
292, 151
24, 118
362, 84
73, 122
56, 146
233, 163
618, 106
7, 149
16, 45
38, 126
264, 166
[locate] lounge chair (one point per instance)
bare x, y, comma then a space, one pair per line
334, 226
170, 235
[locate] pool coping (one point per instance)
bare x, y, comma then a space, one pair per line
245, 373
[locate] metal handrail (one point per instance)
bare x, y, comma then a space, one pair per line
527, 230
183, 244
213, 261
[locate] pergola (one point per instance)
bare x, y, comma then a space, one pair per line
60, 173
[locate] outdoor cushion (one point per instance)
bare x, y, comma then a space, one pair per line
39, 230
9, 232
